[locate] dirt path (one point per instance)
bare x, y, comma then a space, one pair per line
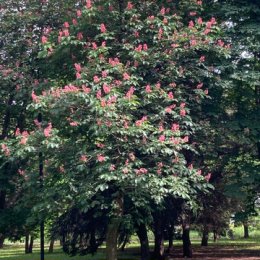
218, 253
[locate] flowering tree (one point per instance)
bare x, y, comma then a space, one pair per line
125, 81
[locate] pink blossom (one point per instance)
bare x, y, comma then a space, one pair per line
160, 33
74, 123
137, 35
161, 128
193, 13
191, 24
86, 89
94, 45
207, 177
162, 11
182, 105
170, 95
74, 21
165, 20
206, 91
96, 79
129, 6
158, 85
168, 109
104, 73
17, 131
162, 138
126, 124
200, 21
220, 43
148, 89
103, 102
182, 112
80, 36
101, 158
106, 88
126, 76
66, 32
173, 85
79, 13
99, 94
21, 172
34, 97
139, 48
199, 172
88, 4
100, 145
193, 42
25, 136
112, 167
66, 25
83, 158
5, 149
44, 39
36, 122
200, 85
202, 58
145, 47
125, 170
213, 20
190, 166
47, 130
199, 2
78, 75
185, 139
207, 31
103, 28
130, 92
175, 127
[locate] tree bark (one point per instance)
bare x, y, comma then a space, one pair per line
144, 242
246, 229
205, 237
171, 235
26, 245
30, 249
187, 250
158, 238
112, 230
111, 239
51, 246
2, 239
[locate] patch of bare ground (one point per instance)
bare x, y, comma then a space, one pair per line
218, 253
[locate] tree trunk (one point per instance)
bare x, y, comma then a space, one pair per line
144, 242
112, 230
2, 239
51, 246
158, 238
215, 236
111, 239
170, 235
124, 244
246, 229
26, 245
205, 237
30, 249
187, 250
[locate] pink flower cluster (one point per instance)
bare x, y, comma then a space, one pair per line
141, 121
5, 149
141, 171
